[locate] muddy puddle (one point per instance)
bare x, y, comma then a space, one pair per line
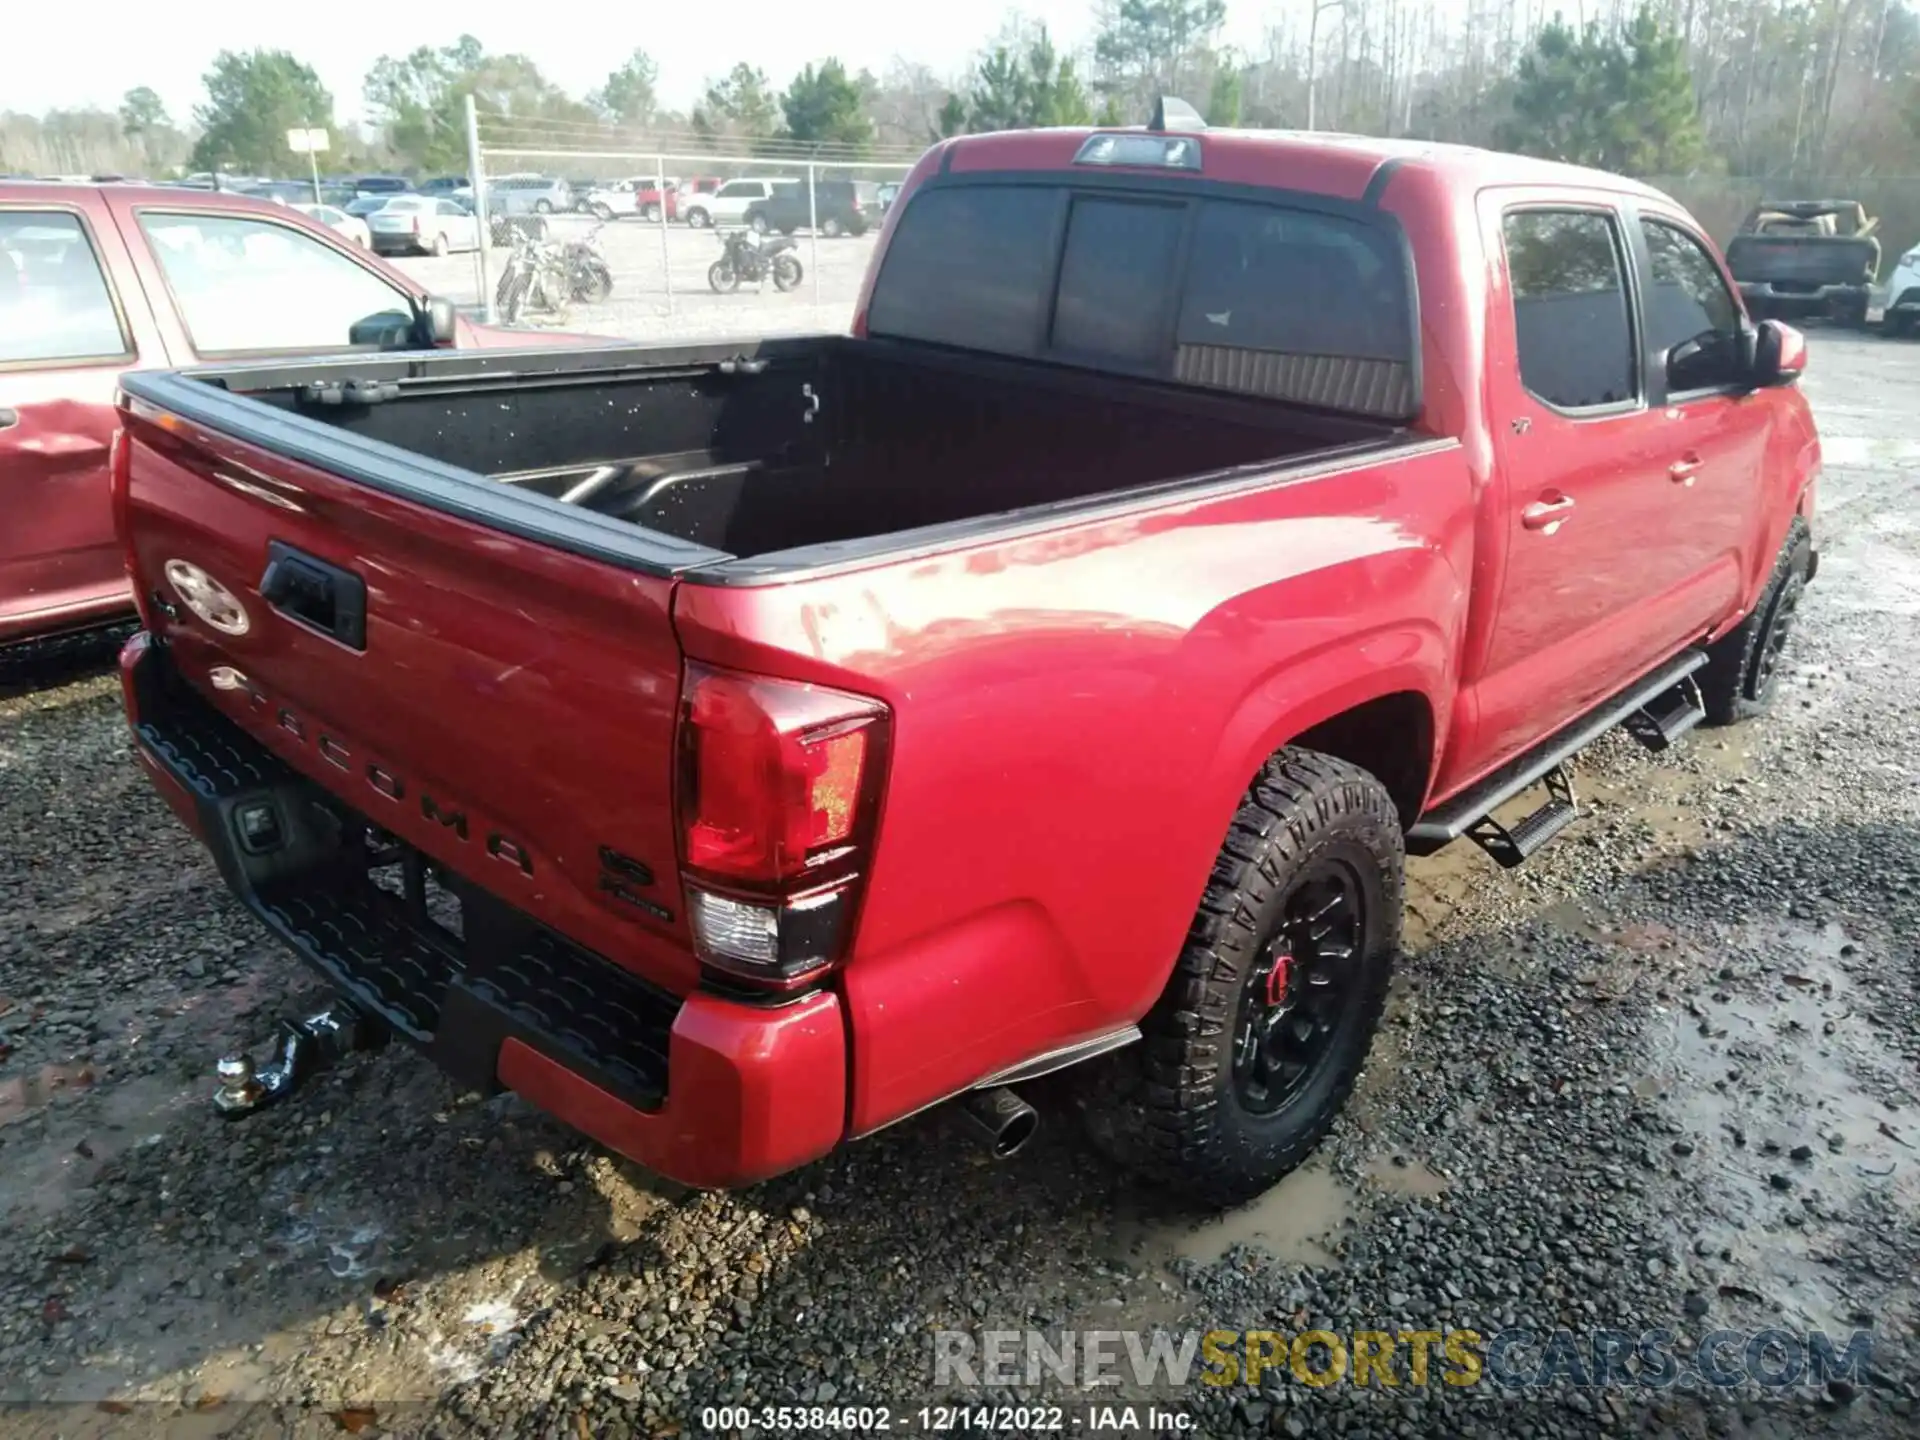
1300, 1221
1788, 1121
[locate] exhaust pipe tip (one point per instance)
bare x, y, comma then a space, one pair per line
1005, 1121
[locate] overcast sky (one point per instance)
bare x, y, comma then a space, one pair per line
92, 51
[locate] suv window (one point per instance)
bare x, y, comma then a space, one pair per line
1296, 304
1571, 322
244, 284
54, 301
1692, 318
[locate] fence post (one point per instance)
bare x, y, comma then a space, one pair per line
813, 221
477, 175
666, 249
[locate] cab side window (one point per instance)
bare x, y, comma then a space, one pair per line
1567, 272
1693, 322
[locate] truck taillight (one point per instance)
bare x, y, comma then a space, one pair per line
119, 491
779, 791
416, 224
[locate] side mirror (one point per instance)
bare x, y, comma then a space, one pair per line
443, 321
1779, 354
388, 330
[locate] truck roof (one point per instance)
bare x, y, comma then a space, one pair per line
1315, 160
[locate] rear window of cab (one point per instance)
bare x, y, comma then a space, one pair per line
1239, 294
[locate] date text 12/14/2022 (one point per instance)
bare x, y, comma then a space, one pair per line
1110, 1418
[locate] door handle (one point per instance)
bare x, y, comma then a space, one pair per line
9, 417
1682, 471
319, 595
1547, 514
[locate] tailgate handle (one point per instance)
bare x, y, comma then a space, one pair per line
318, 595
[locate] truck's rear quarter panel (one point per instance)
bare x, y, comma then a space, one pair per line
1077, 714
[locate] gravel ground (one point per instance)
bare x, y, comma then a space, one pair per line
1663, 1077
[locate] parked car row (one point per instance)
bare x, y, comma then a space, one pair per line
763, 203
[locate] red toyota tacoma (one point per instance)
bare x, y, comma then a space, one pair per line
96, 280
736, 750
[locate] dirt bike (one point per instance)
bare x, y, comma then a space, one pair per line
537, 279
742, 258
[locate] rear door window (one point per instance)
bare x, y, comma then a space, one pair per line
1571, 321
54, 303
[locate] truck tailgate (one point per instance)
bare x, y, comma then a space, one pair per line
508, 711
1801, 259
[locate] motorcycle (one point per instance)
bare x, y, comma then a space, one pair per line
536, 278
587, 272
743, 258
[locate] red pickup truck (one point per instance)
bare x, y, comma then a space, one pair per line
98, 280
736, 750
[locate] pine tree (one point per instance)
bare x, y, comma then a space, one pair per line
1622, 102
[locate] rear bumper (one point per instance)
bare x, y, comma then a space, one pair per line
706, 1090
397, 245
1811, 300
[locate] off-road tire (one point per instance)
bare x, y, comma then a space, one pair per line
1732, 685
1896, 327
1169, 1107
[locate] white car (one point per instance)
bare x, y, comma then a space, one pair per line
1902, 299
639, 195
727, 205
423, 225
336, 219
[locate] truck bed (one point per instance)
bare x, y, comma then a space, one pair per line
783, 454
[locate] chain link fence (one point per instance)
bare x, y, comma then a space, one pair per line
659, 236
635, 224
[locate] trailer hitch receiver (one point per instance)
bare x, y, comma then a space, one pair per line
304, 1046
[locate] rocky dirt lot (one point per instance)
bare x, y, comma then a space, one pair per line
1664, 1077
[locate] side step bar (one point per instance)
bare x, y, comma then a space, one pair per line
1646, 703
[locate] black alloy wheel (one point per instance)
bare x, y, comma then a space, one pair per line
1300, 990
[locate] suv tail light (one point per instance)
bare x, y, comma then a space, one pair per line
416, 224
778, 798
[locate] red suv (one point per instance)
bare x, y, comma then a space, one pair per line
99, 280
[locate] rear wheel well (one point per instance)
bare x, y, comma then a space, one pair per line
1391, 737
